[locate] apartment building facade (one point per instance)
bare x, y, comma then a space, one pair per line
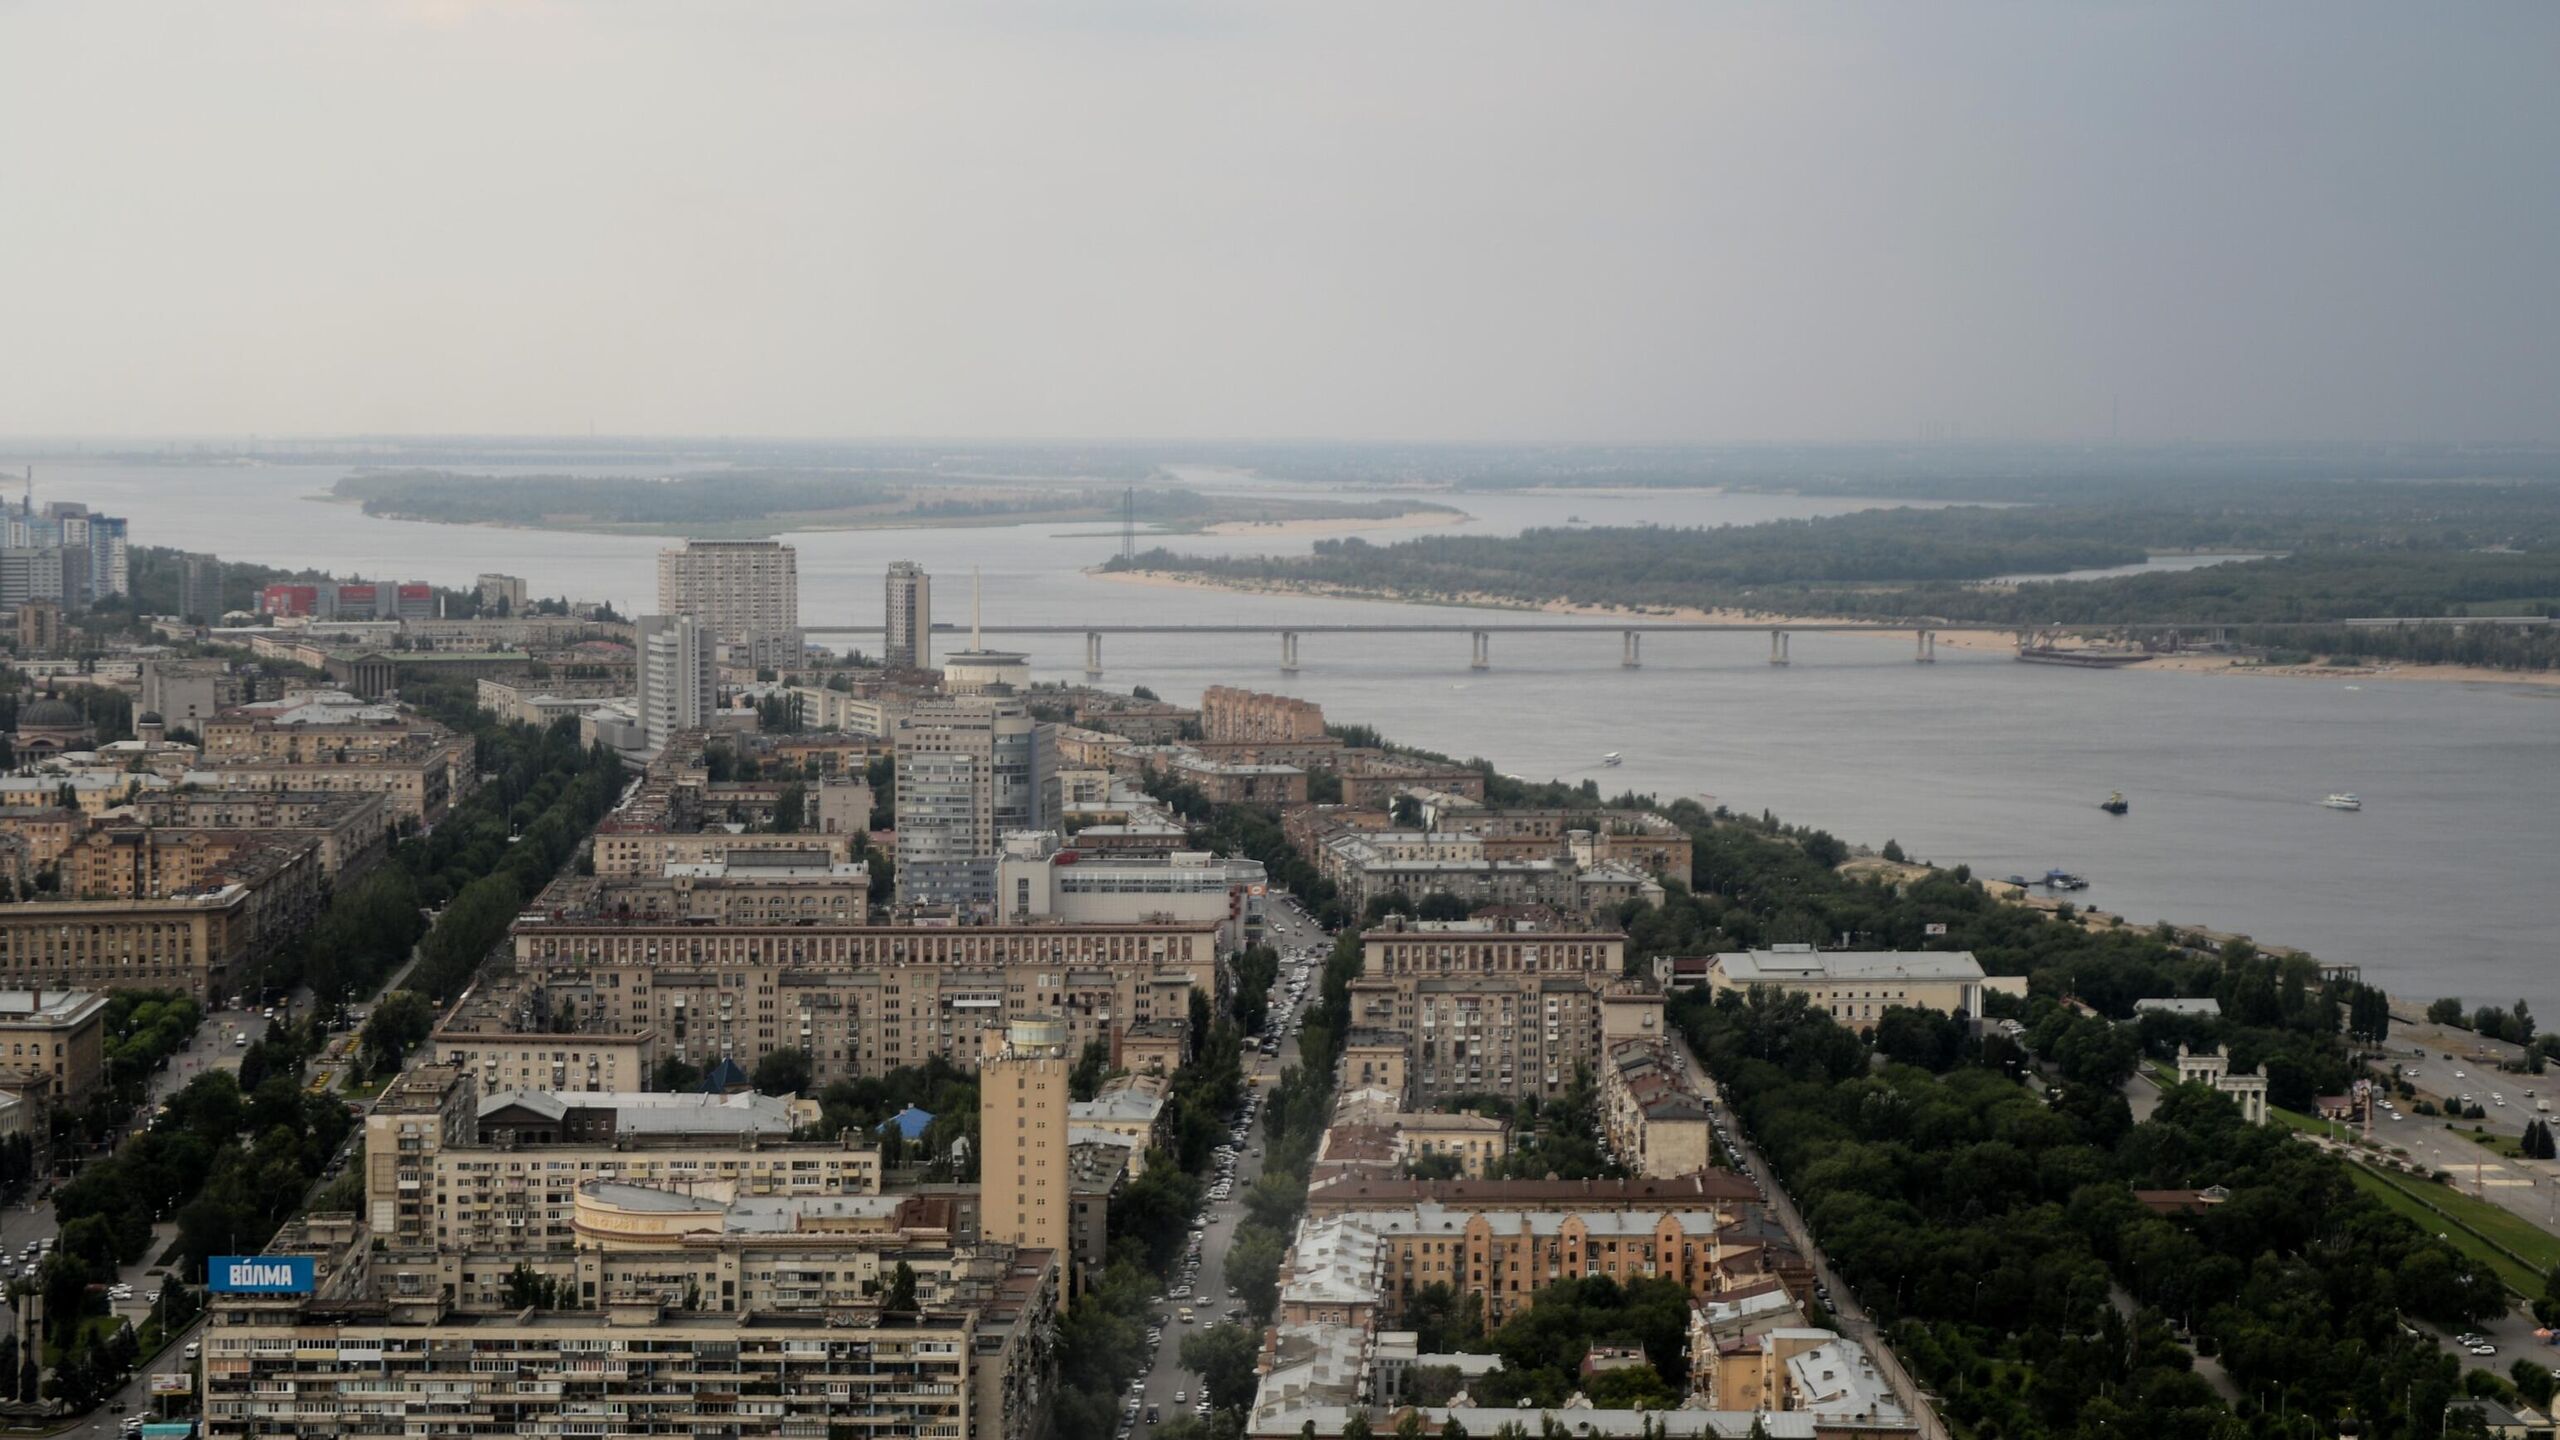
1487, 1006
746, 591
862, 999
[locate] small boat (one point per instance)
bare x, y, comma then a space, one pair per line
2342, 801
1613, 758
2114, 804
2064, 880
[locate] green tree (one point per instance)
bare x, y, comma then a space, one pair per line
791, 808
783, 1072
902, 1289
1086, 1078
2447, 1011
674, 1076
1223, 1357
399, 1022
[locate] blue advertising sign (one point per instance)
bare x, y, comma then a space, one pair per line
259, 1274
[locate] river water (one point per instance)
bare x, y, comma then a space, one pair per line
2436, 887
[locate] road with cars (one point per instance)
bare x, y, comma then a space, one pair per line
1200, 1281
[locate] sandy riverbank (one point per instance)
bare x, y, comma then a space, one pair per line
1337, 524
1953, 639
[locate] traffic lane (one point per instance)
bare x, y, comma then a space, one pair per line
1165, 1377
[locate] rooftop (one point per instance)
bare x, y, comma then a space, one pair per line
1796, 963
52, 1007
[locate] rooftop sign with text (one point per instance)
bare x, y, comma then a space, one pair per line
260, 1274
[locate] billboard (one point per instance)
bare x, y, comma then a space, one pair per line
178, 1382
259, 1274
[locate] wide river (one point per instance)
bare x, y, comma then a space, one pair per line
2436, 887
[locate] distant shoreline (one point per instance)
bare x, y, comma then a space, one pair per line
1954, 637
767, 527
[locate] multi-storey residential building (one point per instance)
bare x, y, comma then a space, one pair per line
1023, 1177
749, 887
861, 999
503, 593
746, 591
449, 1164
187, 693
330, 742
1651, 1106
1497, 1007
969, 772
196, 941
1037, 878
675, 677
47, 831
1233, 715
351, 831
141, 862
419, 782
506, 1035
907, 639
1856, 987
659, 1344
60, 1034
55, 575
200, 589
313, 725
627, 853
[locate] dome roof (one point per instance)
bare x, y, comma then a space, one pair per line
51, 714
148, 717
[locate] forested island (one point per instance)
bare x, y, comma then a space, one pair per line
2334, 550
736, 504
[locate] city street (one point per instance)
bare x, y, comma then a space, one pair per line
1209, 1301
1851, 1317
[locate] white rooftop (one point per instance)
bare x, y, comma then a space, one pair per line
653, 1112
52, 1007
1837, 1380
1784, 964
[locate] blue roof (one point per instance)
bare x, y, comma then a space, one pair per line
724, 1077
911, 1122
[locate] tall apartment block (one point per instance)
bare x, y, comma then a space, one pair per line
1022, 1125
501, 591
200, 588
907, 639
1483, 1006
90, 546
970, 770
675, 677
746, 591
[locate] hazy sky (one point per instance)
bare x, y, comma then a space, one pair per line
1382, 219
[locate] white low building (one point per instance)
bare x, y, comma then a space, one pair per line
1856, 987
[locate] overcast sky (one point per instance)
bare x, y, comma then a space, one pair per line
1466, 221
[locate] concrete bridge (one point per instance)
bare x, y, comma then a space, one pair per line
1480, 634
1631, 633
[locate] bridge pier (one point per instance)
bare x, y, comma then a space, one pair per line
1928, 654
1288, 652
1481, 657
1777, 647
1093, 654
1631, 649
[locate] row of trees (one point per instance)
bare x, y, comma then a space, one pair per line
497, 847
1998, 1233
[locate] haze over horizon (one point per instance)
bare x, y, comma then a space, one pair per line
1631, 223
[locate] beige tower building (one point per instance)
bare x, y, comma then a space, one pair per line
747, 591
1023, 1194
